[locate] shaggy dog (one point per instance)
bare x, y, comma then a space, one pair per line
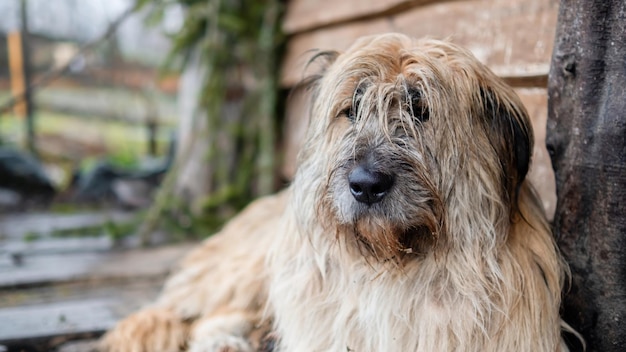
409, 225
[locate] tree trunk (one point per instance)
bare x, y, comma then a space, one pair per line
586, 139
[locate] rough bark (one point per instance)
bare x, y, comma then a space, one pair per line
586, 137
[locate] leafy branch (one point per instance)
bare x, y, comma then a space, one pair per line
238, 43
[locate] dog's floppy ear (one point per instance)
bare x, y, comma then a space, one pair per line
510, 133
319, 62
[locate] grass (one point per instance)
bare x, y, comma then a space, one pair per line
31, 237
115, 230
115, 136
124, 140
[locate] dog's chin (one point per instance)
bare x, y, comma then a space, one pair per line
386, 230
375, 233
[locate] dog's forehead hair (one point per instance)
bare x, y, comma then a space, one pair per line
394, 68
386, 58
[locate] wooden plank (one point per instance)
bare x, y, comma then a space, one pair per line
513, 37
79, 346
116, 300
16, 66
20, 225
120, 265
130, 295
141, 262
57, 245
39, 270
304, 15
39, 324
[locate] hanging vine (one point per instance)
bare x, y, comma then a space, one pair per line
238, 43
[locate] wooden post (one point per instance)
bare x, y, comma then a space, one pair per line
151, 120
586, 137
27, 96
16, 66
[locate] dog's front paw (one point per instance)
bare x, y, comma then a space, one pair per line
220, 343
222, 333
148, 330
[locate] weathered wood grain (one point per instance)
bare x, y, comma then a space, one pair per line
37, 325
303, 15
37, 270
20, 225
50, 312
62, 245
513, 37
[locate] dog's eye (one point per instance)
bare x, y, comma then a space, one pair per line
349, 113
419, 109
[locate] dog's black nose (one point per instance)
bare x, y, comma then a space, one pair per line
367, 186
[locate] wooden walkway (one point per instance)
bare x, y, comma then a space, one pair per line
61, 293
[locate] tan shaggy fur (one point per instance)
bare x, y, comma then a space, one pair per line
454, 254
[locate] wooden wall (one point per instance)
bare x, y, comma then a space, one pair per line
513, 37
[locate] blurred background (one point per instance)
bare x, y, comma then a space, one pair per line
95, 93
130, 129
100, 98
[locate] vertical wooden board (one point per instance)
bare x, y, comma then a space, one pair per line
16, 66
513, 37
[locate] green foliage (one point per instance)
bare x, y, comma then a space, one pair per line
181, 223
110, 228
238, 41
118, 230
125, 158
31, 237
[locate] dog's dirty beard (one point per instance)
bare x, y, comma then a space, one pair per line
386, 243
381, 237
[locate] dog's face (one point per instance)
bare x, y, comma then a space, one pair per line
410, 139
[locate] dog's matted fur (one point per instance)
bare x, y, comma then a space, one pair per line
409, 225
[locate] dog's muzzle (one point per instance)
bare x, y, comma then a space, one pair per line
367, 186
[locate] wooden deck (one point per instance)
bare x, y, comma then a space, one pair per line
61, 294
